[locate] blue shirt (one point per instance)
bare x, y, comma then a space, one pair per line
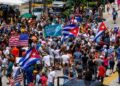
110, 51
118, 53
77, 55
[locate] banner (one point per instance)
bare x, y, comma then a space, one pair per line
53, 30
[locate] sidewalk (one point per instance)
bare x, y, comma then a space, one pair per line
111, 78
109, 18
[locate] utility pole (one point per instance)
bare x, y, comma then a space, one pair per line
44, 5
103, 2
30, 6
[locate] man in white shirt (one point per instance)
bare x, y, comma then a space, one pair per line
51, 77
15, 69
6, 51
65, 58
47, 61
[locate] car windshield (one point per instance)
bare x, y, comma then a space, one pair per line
57, 9
37, 10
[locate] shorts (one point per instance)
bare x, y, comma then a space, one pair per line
114, 17
112, 63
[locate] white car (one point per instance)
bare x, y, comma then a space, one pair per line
37, 12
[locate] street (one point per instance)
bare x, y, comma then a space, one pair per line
112, 79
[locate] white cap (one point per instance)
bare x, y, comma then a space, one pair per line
105, 46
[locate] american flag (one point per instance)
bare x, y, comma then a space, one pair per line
14, 40
20, 40
23, 40
18, 76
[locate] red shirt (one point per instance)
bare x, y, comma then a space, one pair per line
101, 71
43, 80
105, 62
15, 52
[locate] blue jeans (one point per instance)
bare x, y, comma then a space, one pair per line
50, 84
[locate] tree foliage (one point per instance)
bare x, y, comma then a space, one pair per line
76, 3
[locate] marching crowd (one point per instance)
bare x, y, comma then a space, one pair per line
83, 62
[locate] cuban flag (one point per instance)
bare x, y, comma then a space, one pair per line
102, 29
69, 31
31, 57
26, 57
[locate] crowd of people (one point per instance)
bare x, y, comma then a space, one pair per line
82, 61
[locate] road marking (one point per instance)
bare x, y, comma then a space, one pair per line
109, 79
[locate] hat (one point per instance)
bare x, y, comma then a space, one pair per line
101, 56
23, 30
105, 46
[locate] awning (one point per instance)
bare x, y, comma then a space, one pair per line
11, 2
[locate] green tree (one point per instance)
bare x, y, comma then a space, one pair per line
76, 3
49, 1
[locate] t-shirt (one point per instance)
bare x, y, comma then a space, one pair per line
57, 54
77, 55
46, 60
15, 69
15, 52
37, 78
65, 59
101, 71
43, 80
114, 14
51, 76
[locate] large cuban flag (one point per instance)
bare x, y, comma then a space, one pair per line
102, 29
31, 57
69, 31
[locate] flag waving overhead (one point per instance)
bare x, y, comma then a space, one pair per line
31, 57
26, 57
53, 30
102, 29
23, 40
19, 40
70, 30
14, 40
